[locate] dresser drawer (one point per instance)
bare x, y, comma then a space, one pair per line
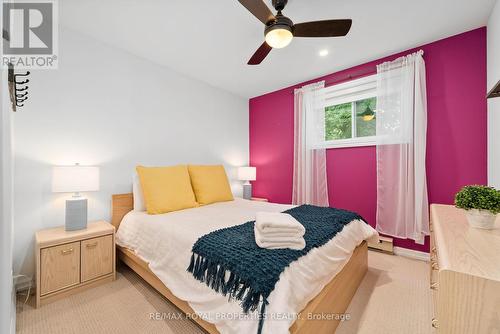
60, 267
97, 257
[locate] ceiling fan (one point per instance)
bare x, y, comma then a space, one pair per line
280, 30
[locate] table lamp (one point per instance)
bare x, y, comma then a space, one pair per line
75, 179
247, 174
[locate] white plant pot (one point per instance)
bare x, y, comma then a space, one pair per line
481, 219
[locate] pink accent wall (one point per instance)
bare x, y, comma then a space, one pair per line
456, 137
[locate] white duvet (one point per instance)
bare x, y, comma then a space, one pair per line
165, 242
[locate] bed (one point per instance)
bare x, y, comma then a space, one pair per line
320, 284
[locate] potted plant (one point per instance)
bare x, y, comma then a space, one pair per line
481, 203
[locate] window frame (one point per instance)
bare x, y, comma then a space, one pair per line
350, 92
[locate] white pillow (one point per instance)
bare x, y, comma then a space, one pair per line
138, 195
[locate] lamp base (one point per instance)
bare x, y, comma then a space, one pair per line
247, 191
76, 214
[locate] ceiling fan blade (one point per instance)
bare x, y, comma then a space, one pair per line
328, 28
260, 54
259, 9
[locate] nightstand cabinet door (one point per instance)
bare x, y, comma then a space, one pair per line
60, 267
97, 257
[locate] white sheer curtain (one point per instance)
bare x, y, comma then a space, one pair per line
402, 203
309, 165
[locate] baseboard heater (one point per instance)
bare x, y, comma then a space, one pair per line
384, 245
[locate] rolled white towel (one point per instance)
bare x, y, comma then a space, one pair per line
264, 241
278, 224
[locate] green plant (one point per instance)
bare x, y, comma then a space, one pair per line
478, 197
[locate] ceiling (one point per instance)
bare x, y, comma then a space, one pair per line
213, 40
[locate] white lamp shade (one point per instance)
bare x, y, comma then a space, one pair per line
247, 173
70, 179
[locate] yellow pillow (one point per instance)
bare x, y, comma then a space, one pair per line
166, 189
210, 184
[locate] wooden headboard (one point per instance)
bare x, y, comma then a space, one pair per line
120, 206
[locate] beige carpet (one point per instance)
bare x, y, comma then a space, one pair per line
393, 298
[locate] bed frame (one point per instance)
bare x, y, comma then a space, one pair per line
333, 299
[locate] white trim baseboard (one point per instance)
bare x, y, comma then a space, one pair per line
13, 313
412, 254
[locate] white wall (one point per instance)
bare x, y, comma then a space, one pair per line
494, 104
109, 108
7, 295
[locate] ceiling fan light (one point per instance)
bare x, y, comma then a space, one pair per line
279, 37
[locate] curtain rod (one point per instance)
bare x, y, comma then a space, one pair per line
352, 76
359, 74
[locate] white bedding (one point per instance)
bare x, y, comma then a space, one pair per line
165, 242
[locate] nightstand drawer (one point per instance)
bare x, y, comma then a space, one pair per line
60, 267
97, 257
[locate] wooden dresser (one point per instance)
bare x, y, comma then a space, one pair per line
71, 261
465, 274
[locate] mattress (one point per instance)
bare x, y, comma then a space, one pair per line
165, 242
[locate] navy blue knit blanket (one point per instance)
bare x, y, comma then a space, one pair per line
252, 272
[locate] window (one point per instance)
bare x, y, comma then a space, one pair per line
350, 113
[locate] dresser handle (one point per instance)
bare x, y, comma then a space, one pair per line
434, 286
435, 323
67, 251
92, 245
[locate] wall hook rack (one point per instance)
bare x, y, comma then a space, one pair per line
495, 91
18, 89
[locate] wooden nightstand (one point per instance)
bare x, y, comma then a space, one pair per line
258, 199
69, 262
